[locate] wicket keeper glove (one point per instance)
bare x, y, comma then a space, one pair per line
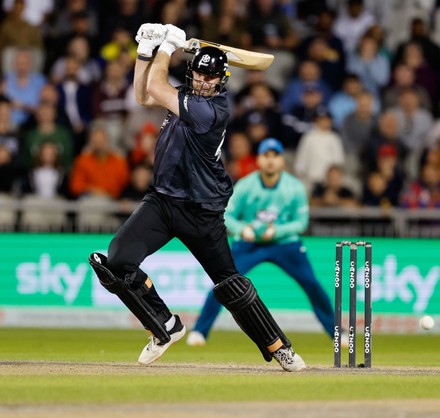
148, 37
175, 38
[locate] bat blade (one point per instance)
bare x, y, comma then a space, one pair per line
237, 57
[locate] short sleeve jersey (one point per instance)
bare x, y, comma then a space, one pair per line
187, 162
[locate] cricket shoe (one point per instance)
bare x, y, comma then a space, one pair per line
289, 360
196, 339
154, 349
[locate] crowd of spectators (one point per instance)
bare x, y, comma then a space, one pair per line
353, 94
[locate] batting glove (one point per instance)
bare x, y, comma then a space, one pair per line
175, 38
149, 36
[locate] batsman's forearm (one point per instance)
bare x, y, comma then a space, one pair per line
141, 71
158, 87
158, 73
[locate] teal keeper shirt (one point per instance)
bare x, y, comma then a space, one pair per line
285, 205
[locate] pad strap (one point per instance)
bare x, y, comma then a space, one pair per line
135, 300
239, 296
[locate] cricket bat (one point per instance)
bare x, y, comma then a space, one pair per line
237, 57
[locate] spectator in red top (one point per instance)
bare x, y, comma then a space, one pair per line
145, 141
99, 170
241, 160
425, 191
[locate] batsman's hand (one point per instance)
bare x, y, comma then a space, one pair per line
151, 31
149, 36
248, 234
175, 38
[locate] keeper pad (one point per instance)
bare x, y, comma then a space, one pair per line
133, 299
239, 296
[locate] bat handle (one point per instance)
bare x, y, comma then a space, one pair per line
192, 45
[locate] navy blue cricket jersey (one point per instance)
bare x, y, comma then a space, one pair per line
187, 162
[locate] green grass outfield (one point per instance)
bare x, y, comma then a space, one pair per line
99, 366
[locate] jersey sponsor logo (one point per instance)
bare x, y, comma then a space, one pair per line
166, 121
267, 216
218, 152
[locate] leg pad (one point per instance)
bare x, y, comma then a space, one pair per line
239, 296
133, 299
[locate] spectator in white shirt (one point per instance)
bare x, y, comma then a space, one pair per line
317, 150
352, 23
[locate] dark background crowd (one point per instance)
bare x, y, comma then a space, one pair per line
353, 94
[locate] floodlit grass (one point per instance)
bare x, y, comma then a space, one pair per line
184, 388
231, 348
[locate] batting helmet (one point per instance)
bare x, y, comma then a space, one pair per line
211, 61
